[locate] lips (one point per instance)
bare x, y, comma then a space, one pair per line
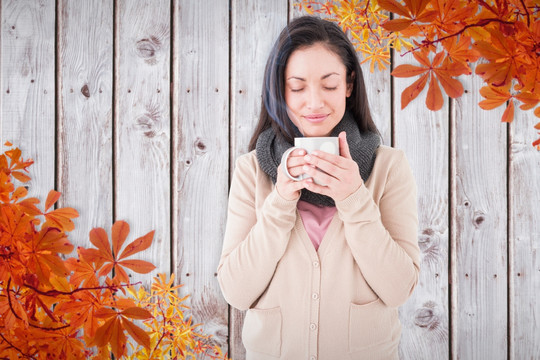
315, 118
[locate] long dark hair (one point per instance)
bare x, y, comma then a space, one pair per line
303, 32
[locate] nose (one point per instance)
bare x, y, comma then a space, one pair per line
315, 99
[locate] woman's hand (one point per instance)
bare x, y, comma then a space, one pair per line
340, 174
287, 188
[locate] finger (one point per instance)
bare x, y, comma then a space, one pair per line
319, 189
293, 161
344, 146
327, 162
320, 176
296, 171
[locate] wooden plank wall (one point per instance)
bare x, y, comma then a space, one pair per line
137, 110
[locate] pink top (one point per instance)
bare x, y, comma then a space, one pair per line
316, 220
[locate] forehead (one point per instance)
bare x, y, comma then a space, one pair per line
314, 61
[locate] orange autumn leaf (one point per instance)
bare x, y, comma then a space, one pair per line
434, 98
83, 272
61, 218
115, 325
120, 231
529, 99
441, 70
412, 91
43, 255
139, 244
107, 260
136, 313
137, 333
53, 305
494, 97
414, 10
112, 333
508, 115
52, 198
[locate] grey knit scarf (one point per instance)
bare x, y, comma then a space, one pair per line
362, 146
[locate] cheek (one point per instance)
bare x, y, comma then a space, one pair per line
293, 101
339, 100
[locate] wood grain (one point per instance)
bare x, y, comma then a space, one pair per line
524, 238
27, 104
255, 28
424, 136
479, 314
95, 115
85, 60
201, 150
142, 126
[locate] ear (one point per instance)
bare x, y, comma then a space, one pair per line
350, 84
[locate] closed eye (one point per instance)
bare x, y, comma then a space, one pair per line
330, 88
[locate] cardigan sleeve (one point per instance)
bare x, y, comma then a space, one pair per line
254, 240
383, 239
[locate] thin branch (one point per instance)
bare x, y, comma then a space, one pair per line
16, 348
480, 23
9, 300
526, 12
58, 292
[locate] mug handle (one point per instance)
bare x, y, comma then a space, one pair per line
284, 164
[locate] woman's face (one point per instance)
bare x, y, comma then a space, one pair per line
316, 89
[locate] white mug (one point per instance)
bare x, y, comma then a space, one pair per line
310, 144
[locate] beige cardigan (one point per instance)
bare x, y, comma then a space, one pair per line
339, 302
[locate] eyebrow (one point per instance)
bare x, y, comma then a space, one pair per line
322, 78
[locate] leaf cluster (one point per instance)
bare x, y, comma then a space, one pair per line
57, 307
446, 38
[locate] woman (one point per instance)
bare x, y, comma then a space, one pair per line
321, 270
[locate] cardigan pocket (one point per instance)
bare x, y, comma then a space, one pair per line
370, 324
262, 331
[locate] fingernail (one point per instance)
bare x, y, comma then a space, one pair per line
315, 153
305, 168
302, 152
307, 158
